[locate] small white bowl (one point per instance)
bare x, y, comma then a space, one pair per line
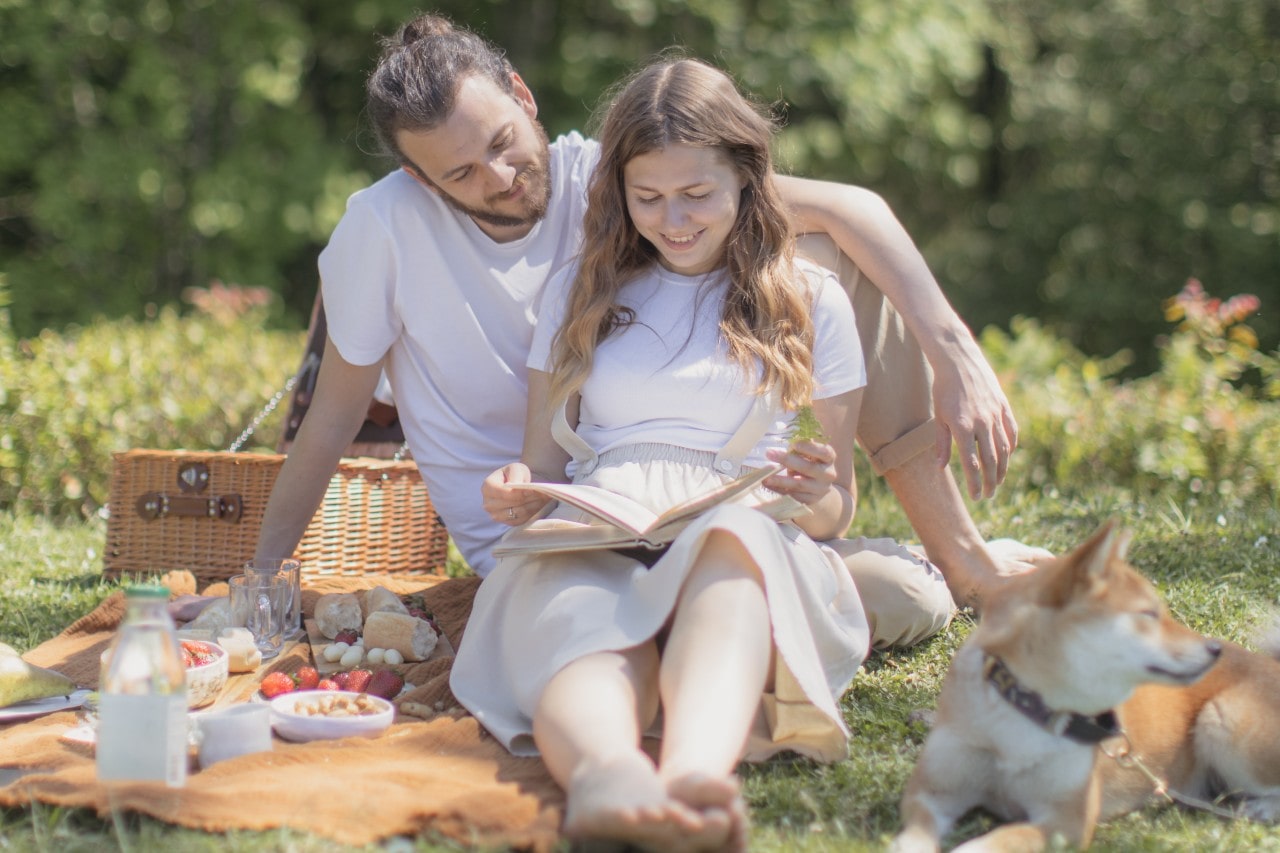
206, 681
295, 726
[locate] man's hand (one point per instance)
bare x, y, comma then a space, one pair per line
973, 411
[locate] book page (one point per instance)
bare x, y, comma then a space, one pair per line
621, 522
636, 519
695, 507
602, 503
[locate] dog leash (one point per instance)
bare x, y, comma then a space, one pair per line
309, 365
1122, 754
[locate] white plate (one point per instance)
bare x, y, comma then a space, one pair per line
40, 707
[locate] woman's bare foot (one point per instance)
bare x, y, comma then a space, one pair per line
624, 800
710, 795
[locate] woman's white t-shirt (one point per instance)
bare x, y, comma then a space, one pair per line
667, 377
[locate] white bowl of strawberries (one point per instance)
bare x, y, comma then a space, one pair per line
206, 665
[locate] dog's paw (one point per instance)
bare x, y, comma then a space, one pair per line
1261, 809
914, 841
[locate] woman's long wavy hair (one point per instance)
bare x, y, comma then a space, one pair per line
765, 318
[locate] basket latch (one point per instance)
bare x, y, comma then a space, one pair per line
153, 505
193, 477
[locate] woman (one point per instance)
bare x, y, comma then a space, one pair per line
688, 339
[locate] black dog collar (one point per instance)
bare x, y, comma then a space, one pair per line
1068, 724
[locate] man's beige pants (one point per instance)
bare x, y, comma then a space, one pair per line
905, 596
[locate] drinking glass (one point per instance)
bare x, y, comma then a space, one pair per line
261, 604
291, 570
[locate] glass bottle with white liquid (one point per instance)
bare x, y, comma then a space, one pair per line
142, 696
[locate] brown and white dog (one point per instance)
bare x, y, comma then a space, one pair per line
1079, 654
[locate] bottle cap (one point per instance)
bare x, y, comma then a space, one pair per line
146, 590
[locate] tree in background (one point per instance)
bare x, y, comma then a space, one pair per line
1066, 160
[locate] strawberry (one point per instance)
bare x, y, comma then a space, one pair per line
276, 683
340, 679
327, 684
348, 636
386, 683
307, 678
417, 606
425, 616
358, 680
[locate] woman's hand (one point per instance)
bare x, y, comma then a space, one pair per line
508, 505
810, 474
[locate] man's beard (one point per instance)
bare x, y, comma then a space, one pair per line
534, 179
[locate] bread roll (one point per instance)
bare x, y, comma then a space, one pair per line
412, 637
337, 611
381, 599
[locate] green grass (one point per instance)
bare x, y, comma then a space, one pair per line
1214, 559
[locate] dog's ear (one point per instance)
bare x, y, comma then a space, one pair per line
1103, 552
1086, 566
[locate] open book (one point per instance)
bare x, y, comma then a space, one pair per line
620, 522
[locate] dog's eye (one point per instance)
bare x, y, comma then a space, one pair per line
1149, 614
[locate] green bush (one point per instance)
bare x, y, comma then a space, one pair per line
194, 381
68, 400
1194, 424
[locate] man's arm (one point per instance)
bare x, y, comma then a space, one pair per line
337, 410
970, 407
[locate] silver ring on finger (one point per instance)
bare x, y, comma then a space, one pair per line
511, 513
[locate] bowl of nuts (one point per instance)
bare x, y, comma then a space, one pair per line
327, 714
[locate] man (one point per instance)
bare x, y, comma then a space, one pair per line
435, 272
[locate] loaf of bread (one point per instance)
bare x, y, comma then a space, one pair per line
412, 637
338, 611
380, 599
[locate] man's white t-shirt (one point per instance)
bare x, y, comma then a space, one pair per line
667, 377
407, 277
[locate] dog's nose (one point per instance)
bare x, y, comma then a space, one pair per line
1213, 647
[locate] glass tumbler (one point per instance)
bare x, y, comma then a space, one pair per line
291, 570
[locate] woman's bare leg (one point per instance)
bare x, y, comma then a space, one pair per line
715, 666
587, 726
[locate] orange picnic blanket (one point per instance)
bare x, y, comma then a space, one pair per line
444, 775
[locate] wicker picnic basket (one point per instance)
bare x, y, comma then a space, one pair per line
202, 511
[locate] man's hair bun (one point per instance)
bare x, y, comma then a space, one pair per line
424, 26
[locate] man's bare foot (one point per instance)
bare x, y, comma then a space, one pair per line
624, 800
710, 795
